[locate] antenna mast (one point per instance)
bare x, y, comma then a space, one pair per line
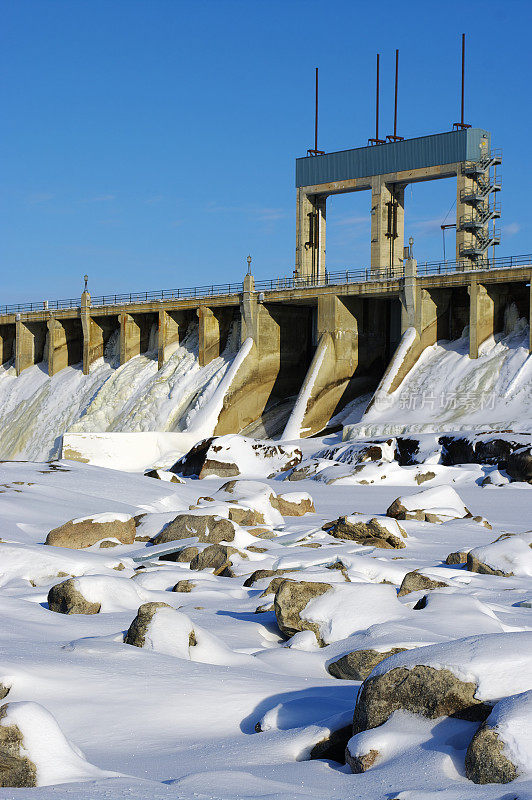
376, 140
316, 152
462, 125
395, 137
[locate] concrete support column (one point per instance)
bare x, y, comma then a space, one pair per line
24, 347
249, 311
336, 319
57, 347
209, 336
387, 225
129, 337
408, 295
167, 334
481, 316
310, 236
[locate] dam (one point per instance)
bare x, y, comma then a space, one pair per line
321, 337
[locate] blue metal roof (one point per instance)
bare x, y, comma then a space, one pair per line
381, 159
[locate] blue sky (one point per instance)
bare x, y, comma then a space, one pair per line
151, 143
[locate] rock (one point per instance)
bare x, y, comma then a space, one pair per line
294, 504
373, 533
163, 475
421, 477
207, 528
357, 665
415, 581
263, 533
84, 532
181, 556
474, 565
459, 557
291, 597
246, 516
16, 769
184, 586
164, 629
361, 763
518, 464
259, 574
218, 558
274, 585
421, 690
222, 456
137, 630
136, 634
486, 761
65, 598
442, 502
254, 548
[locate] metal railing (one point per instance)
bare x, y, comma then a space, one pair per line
335, 278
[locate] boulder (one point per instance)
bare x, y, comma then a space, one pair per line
376, 533
184, 586
259, 574
510, 554
35, 752
415, 581
357, 665
486, 760
430, 505
160, 627
361, 762
458, 557
65, 598
183, 556
421, 690
474, 565
294, 504
16, 769
218, 558
246, 517
501, 750
291, 598
86, 531
518, 464
229, 456
207, 528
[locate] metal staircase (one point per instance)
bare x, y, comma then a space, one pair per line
483, 209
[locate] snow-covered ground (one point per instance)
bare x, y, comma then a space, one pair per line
226, 698
172, 720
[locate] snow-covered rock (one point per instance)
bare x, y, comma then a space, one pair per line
86, 531
233, 455
436, 504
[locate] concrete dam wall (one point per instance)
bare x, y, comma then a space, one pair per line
285, 359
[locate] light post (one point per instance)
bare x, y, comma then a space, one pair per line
86, 279
249, 264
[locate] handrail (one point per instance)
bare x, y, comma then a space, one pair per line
337, 277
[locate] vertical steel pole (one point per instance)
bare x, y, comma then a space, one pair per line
396, 85
377, 104
316, 118
463, 78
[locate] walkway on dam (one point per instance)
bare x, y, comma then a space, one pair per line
336, 278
